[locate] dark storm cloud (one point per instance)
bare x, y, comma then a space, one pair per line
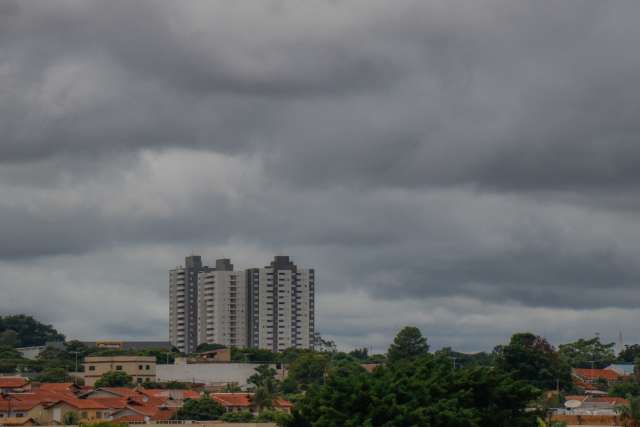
408, 150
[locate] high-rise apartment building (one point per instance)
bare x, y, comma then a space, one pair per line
281, 305
271, 307
222, 306
183, 304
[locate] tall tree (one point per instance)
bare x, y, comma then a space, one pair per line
587, 353
29, 331
408, 344
629, 354
308, 369
531, 358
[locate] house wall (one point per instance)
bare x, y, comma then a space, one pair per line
208, 373
141, 368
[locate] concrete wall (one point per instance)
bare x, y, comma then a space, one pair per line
208, 373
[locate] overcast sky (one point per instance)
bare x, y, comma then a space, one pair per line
468, 167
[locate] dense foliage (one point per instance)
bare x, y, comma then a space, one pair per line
408, 344
423, 391
203, 409
25, 331
587, 353
531, 358
114, 379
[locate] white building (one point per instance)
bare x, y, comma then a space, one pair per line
183, 304
281, 306
222, 306
271, 307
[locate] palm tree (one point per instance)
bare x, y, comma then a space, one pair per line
630, 414
263, 398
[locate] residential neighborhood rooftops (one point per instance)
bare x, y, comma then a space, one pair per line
593, 374
13, 382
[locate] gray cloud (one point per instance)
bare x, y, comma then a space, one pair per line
418, 154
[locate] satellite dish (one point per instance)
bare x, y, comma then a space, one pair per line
572, 404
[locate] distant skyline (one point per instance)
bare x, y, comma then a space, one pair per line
470, 168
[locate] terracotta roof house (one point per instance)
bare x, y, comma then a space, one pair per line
13, 384
589, 376
18, 421
236, 402
13, 407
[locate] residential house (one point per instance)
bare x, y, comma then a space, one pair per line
595, 376
14, 384
141, 368
239, 402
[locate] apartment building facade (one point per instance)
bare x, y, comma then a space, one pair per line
183, 304
271, 307
222, 306
281, 306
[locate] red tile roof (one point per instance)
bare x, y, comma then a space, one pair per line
81, 403
17, 404
243, 400
57, 387
592, 374
13, 382
233, 399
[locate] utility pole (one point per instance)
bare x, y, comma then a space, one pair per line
75, 377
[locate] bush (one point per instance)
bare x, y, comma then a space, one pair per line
114, 379
203, 409
238, 417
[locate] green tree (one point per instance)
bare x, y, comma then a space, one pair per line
271, 416
265, 386
253, 355
629, 354
203, 409
114, 379
9, 338
237, 417
208, 347
71, 418
309, 369
53, 375
408, 345
29, 331
628, 387
465, 359
361, 354
531, 358
630, 415
587, 353
423, 392
324, 345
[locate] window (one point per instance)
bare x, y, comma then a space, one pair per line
139, 380
147, 367
92, 368
118, 367
83, 415
140, 367
19, 414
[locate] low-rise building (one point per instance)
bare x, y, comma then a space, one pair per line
213, 375
141, 368
243, 402
14, 384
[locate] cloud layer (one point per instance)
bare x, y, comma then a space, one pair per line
468, 168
